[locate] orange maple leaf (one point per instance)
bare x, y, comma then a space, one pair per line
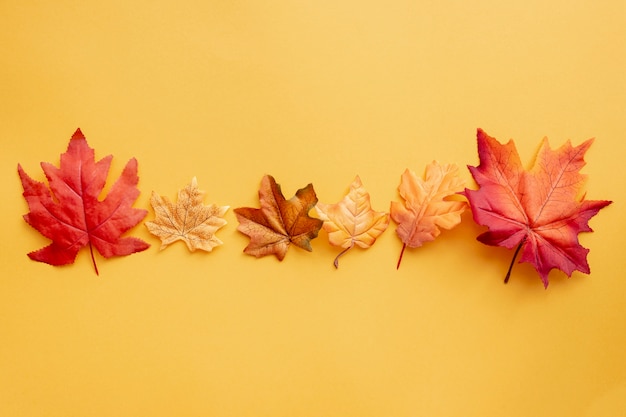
279, 222
539, 211
352, 221
427, 206
188, 220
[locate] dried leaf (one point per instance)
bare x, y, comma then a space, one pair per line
352, 221
70, 214
187, 220
427, 206
279, 222
538, 211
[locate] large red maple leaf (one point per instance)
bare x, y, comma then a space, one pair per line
70, 213
538, 211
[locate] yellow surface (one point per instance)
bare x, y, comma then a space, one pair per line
228, 91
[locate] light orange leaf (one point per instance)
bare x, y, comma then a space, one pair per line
187, 220
352, 221
426, 206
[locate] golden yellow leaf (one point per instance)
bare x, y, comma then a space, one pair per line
427, 206
352, 221
187, 220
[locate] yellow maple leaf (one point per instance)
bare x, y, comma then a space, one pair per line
352, 221
187, 220
427, 205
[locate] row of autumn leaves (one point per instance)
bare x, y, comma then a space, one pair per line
537, 211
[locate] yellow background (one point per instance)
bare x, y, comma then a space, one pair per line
310, 91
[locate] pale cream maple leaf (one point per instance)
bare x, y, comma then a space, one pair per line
188, 219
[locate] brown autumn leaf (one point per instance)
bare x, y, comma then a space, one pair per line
187, 220
279, 222
427, 206
352, 221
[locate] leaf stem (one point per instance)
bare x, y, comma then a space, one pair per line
93, 259
336, 263
400, 258
508, 273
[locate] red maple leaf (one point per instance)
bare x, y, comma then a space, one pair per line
538, 211
70, 213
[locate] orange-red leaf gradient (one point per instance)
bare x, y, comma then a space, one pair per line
540, 210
